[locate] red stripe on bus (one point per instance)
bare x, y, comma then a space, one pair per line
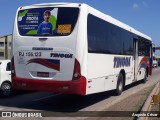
68, 87
147, 62
45, 63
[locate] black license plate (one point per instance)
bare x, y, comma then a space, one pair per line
42, 74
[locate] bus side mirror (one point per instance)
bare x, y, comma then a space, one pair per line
154, 49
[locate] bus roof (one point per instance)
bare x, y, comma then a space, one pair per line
52, 4
57, 3
99, 13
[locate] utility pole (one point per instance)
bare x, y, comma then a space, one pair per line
6, 48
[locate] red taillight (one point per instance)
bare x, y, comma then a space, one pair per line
77, 70
12, 67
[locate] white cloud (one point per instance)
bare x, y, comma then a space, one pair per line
135, 5
138, 5
144, 3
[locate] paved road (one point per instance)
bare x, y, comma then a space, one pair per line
40, 101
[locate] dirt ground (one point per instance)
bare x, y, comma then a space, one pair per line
155, 107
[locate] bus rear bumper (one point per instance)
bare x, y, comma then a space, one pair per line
67, 87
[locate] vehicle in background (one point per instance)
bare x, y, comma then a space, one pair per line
155, 62
158, 60
5, 78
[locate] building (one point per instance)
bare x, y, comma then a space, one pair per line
5, 47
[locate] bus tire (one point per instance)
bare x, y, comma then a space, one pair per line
120, 85
145, 77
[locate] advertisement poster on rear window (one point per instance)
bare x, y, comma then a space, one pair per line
47, 21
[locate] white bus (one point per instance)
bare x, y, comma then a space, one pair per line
73, 48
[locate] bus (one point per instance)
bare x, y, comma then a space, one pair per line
72, 48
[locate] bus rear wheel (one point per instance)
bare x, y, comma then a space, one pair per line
120, 85
145, 77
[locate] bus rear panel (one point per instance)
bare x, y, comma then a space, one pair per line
44, 49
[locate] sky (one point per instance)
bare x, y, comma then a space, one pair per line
142, 15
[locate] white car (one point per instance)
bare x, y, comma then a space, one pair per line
5, 78
155, 62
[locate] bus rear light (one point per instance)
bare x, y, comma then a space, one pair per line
77, 70
12, 67
76, 75
13, 71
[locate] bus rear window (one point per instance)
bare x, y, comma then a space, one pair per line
47, 21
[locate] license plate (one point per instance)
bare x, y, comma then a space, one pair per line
30, 54
42, 74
